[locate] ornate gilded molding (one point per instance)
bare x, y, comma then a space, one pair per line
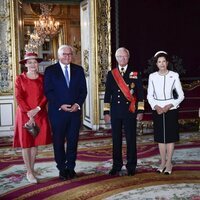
9, 26
103, 41
6, 85
4, 6
192, 85
86, 62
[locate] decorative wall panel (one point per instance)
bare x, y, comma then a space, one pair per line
86, 62
103, 52
103, 41
96, 57
6, 113
9, 27
6, 84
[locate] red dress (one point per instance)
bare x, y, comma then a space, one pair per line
29, 94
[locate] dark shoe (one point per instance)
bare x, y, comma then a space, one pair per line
71, 174
63, 175
131, 172
114, 171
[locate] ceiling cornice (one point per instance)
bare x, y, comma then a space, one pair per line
66, 2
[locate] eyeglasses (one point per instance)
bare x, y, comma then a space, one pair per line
120, 57
67, 54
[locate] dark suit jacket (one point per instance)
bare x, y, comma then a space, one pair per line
56, 90
115, 101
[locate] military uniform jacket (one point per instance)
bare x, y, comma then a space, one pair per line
115, 103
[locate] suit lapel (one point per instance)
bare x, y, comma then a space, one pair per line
126, 74
128, 70
72, 72
60, 74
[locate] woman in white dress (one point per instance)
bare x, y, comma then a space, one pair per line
160, 94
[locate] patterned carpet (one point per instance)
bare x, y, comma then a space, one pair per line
94, 162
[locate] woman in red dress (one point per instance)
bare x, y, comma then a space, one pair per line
31, 109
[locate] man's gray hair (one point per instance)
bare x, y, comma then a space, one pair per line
63, 47
124, 49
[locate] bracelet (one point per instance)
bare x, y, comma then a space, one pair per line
38, 108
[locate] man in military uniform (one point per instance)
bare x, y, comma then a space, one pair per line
123, 106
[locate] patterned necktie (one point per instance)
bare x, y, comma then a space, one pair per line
122, 71
67, 75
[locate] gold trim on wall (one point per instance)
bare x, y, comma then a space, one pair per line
9, 50
191, 86
96, 55
94, 64
103, 41
100, 12
86, 61
15, 25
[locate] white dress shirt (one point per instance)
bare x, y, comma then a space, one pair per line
125, 67
68, 69
63, 69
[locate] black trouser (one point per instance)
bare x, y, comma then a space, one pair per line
129, 125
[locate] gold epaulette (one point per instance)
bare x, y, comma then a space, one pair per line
140, 105
106, 107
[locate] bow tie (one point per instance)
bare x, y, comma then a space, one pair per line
122, 71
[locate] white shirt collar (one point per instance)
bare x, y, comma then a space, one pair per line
63, 65
63, 69
125, 67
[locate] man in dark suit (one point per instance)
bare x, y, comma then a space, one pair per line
65, 89
123, 106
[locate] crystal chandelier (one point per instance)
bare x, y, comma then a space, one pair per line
46, 26
34, 42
